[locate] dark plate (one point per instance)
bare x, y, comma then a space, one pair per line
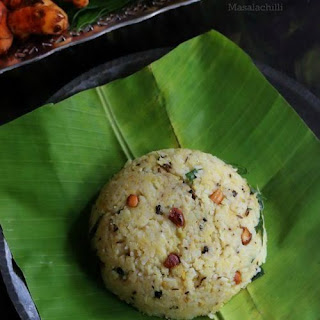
305, 103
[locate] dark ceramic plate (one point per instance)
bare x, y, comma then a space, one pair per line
304, 102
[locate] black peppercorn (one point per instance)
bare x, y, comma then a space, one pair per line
205, 250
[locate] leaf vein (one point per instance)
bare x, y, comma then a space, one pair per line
149, 67
114, 125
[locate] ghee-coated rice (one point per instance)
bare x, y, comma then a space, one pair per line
177, 233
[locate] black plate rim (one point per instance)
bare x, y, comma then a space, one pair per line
311, 102
111, 70
12, 279
299, 89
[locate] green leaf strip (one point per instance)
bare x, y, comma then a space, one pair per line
110, 115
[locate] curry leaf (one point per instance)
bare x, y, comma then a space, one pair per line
191, 175
240, 169
259, 197
80, 18
259, 226
258, 275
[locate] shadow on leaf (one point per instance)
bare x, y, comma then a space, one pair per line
80, 248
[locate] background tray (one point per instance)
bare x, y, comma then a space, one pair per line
137, 11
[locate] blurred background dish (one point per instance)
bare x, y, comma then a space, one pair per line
30, 30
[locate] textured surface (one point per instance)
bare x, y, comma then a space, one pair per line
206, 95
176, 212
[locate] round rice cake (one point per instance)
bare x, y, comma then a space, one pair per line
178, 233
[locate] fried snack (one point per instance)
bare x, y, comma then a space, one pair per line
14, 4
76, 3
6, 36
44, 17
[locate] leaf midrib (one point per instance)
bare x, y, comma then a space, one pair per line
114, 125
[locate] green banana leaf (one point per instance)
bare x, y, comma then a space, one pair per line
206, 94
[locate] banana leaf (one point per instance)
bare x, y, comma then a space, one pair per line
206, 94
